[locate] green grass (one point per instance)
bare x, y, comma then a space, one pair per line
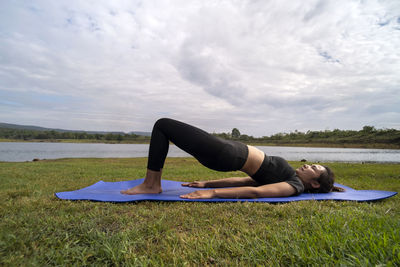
38, 229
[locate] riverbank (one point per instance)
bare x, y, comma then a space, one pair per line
94, 141
78, 141
38, 229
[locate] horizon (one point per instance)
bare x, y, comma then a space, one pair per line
144, 131
262, 67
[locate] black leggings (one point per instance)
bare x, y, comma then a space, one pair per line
211, 151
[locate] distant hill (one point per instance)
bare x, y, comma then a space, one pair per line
38, 128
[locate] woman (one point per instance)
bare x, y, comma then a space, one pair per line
269, 176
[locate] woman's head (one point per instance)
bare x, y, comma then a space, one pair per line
317, 178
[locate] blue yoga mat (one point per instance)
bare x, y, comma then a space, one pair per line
110, 192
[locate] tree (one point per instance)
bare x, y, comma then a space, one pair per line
109, 137
369, 129
235, 133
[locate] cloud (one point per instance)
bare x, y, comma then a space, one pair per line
260, 66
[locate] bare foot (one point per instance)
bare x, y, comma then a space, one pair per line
142, 189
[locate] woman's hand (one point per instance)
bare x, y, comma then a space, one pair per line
196, 184
200, 194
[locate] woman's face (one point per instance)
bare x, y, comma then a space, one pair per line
308, 173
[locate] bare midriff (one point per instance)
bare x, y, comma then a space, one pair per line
254, 160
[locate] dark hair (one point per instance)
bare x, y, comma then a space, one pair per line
326, 180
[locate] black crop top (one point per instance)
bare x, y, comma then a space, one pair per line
275, 170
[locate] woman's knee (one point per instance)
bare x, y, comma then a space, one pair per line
162, 122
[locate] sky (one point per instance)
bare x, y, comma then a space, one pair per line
260, 66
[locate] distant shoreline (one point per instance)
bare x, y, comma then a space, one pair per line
94, 141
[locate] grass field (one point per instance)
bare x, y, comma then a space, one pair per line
38, 229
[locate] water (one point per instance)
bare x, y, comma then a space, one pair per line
10, 151
323, 154
24, 151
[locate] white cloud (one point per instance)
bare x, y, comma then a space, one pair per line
260, 66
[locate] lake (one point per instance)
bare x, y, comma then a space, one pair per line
23, 151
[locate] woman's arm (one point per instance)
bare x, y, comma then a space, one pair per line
226, 182
282, 189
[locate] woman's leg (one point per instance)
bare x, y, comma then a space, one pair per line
198, 143
204, 147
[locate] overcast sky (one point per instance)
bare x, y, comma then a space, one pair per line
260, 66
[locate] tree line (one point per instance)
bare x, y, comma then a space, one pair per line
18, 134
367, 135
